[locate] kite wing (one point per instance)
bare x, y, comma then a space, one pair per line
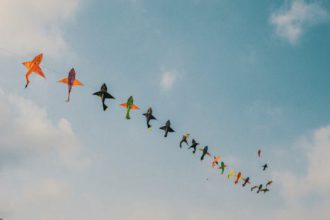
134, 107
107, 95
77, 83
163, 128
97, 93
38, 70
65, 81
170, 130
27, 64
152, 117
123, 105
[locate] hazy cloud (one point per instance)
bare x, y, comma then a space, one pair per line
291, 22
35, 25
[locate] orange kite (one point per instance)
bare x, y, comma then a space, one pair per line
33, 67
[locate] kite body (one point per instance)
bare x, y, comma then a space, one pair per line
264, 167
129, 105
253, 188
222, 167
103, 94
204, 152
71, 81
259, 153
230, 174
33, 67
264, 190
269, 183
246, 181
167, 128
194, 145
259, 188
238, 177
215, 161
149, 117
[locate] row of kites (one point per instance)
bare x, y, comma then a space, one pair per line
34, 67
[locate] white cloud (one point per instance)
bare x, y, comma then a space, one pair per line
291, 23
26, 131
168, 79
317, 177
298, 189
35, 25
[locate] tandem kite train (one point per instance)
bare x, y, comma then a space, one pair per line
216, 162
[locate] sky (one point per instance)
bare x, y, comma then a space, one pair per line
236, 75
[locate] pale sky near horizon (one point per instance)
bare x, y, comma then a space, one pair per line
236, 75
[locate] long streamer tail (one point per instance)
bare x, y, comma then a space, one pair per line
104, 107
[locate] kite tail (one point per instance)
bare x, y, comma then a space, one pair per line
149, 126
202, 158
104, 107
127, 115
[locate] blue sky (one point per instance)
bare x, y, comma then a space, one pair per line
235, 75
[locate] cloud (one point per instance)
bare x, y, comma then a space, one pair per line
35, 25
168, 79
26, 132
317, 177
291, 23
307, 195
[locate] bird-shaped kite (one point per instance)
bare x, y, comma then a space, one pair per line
246, 181
33, 67
230, 174
222, 167
167, 128
264, 190
254, 187
238, 177
129, 105
204, 152
269, 183
259, 188
103, 94
184, 139
193, 145
149, 117
215, 161
264, 167
71, 81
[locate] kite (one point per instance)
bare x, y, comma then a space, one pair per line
246, 181
230, 174
264, 167
129, 105
259, 153
71, 81
259, 188
193, 145
103, 94
184, 139
167, 128
205, 152
222, 167
254, 187
149, 116
215, 161
269, 183
33, 67
264, 190
238, 177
